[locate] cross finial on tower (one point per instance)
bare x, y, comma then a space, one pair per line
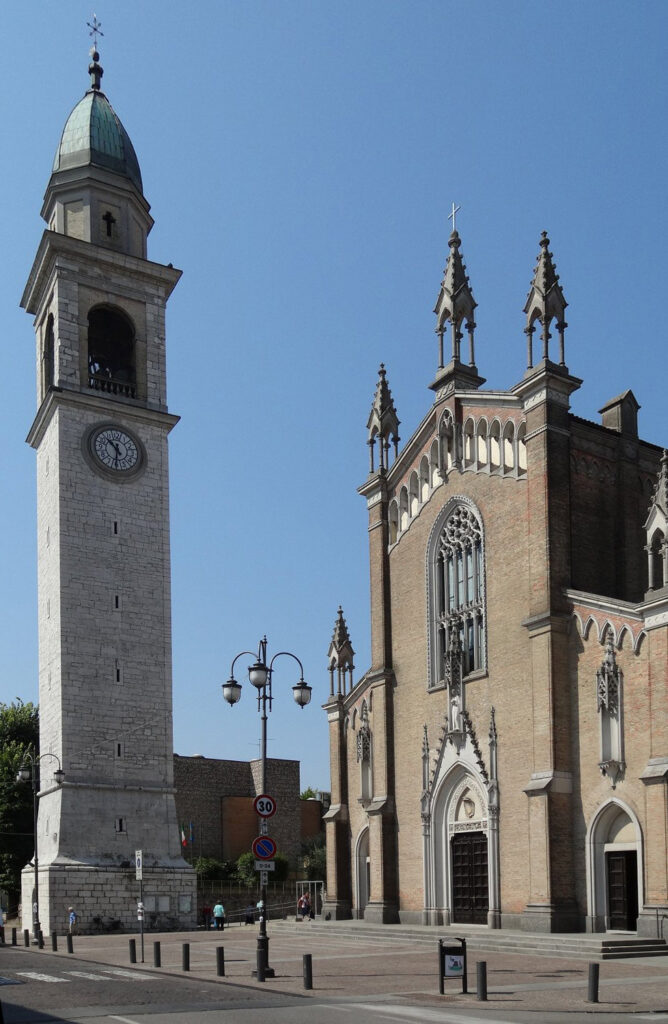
95, 30
453, 215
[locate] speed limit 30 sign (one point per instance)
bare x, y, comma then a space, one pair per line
265, 806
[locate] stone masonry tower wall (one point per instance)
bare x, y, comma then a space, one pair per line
103, 539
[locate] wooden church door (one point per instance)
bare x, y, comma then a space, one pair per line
470, 887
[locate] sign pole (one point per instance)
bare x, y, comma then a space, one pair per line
141, 918
264, 848
139, 874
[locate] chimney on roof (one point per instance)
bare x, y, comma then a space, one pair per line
621, 414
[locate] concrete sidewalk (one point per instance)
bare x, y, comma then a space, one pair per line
386, 967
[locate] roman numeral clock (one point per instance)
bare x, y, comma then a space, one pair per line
100, 435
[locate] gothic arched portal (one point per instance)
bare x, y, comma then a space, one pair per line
461, 851
614, 869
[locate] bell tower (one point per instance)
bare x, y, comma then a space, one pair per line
100, 435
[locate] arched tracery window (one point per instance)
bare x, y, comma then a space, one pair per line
457, 591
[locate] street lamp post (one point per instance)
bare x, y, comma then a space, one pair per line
29, 772
260, 675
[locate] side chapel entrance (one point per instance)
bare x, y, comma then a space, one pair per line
363, 873
614, 866
470, 878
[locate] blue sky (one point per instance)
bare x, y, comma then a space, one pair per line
301, 159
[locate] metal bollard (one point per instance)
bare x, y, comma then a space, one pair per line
2, 934
132, 944
70, 943
54, 942
592, 989
156, 955
13, 936
2, 1016
40, 939
308, 971
481, 980
260, 961
185, 956
26, 937
220, 961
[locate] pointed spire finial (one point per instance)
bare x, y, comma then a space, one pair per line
94, 69
545, 302
660, 496
340, 656
383, 422
455, 304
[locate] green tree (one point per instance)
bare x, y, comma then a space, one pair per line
247, 874
210, 869
309, 794
314, 858
19, 736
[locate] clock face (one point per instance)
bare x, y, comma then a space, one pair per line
116, 449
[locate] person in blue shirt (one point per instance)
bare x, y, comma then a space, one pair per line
219, 916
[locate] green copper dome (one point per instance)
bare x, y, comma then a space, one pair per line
93, 134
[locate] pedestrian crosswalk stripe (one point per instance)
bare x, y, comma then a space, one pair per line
36, 976
87, 974
135, 975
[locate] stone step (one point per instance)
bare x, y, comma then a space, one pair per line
576, 945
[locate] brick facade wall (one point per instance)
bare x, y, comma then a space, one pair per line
217, 796
565, 561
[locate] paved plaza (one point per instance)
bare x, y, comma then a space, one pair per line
397, 973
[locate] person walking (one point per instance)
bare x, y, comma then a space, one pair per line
304, 906
73, 918
219, 916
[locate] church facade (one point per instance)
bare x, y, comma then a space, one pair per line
100, 436
504, 759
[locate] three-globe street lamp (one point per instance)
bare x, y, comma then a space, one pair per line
260, 675
29, 772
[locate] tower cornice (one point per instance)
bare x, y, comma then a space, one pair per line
106, 406
54, 245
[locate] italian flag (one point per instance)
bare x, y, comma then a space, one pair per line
184, 841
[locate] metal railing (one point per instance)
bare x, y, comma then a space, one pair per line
111, 386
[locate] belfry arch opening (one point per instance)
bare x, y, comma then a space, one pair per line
111, 352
